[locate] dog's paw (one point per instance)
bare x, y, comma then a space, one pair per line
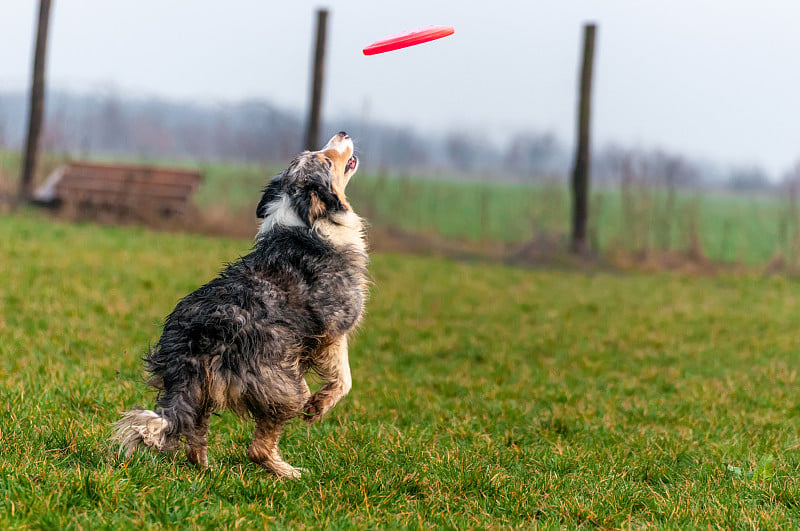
296, 473
286, 471
312, 412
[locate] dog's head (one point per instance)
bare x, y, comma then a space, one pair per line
311, 187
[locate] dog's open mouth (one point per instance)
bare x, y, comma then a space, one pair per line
352, 164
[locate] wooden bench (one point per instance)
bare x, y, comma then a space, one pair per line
127, 191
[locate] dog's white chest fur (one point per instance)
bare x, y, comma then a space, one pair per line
344, 229
280, 213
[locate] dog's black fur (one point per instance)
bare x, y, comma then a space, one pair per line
246, 340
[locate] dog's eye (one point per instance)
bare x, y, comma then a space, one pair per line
329, 162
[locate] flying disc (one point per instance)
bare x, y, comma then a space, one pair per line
408, 38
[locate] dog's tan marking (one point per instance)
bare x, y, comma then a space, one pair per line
343, 229
217, 385
339, 152
264, 450
197, 455
224, 392
339, 191
197, 443
333, 366
321, 156
317, 208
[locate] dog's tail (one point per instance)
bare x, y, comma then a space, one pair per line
160, 430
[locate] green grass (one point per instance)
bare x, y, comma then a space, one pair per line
484, 396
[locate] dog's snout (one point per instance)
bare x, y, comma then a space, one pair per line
340, 142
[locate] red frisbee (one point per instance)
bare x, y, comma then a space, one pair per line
408, 38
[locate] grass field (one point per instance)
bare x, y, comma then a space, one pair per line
484, 396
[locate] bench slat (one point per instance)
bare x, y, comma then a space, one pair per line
87, 191
134, 176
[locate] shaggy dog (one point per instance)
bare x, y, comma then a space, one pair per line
246, 340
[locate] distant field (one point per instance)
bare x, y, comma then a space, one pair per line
483, 397
728, 228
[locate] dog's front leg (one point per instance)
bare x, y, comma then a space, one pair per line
334, 368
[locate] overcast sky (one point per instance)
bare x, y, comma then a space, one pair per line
718, 80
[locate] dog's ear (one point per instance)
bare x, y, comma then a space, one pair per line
320, 199
328, 196
269, 194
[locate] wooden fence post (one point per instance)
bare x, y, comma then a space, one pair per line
36, 102
312, 131
580, 172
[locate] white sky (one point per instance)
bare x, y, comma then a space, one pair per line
710, 79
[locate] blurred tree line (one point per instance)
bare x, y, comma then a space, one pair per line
109, 125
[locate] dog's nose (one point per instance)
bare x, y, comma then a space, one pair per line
340, 142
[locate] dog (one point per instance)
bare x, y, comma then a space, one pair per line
246, 340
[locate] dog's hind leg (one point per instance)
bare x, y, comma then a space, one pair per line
333, 366
197, 442
264, 449
273, 400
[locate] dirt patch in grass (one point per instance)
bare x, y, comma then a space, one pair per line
543, 251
